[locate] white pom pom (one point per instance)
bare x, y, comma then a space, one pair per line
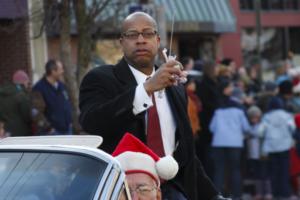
167, 167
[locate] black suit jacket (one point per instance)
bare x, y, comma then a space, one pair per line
106, 104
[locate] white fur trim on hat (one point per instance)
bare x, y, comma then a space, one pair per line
137, 161
167, 167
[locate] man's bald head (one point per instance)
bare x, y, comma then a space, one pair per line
134, 16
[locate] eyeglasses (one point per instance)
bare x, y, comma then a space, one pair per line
144, 190
134, 35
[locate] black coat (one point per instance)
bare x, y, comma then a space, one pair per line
106, 104
207, 91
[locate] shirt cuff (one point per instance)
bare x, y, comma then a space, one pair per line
142, 101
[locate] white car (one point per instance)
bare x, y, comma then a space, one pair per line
59, 168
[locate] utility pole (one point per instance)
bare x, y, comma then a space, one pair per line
258, 32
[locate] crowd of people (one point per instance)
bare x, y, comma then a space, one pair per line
246, 130
44, 109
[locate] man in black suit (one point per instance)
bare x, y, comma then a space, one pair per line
115, 99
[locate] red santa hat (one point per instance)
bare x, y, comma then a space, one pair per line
135, 157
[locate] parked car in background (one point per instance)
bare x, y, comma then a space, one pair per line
59, 168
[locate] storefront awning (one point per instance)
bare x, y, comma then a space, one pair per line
199, 15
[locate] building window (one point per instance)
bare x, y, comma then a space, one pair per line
276, 4
271, 5
247, 4
294, 39
292, 4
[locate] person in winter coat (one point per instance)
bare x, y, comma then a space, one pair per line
208, 93
15, 105
228, 125
276, 129
51, 108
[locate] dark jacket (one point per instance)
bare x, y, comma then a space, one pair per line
58, 106
207, 91
106, 103
15, 110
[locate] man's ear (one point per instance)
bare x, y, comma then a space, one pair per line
158, 195
158, 39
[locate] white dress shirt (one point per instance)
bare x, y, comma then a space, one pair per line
142, 101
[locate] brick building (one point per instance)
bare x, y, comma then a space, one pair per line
280, 20
14, 39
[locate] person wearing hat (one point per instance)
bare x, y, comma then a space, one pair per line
139, 97
144, 169
270, 90
15, 105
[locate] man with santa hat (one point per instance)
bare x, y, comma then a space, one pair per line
144, 169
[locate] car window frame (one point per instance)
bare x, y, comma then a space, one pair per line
111, 164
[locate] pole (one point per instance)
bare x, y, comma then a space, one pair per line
258, 32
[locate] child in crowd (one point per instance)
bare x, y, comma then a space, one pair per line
276, 129
258, 163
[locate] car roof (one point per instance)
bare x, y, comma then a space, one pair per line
92, 141
81, 144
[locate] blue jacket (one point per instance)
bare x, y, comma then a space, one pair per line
58, 106
277, 128
228, 125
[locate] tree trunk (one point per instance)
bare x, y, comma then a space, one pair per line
85, 41
65, 47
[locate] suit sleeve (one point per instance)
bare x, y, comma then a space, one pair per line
103, 108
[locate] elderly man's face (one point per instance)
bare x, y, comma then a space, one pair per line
143, 187
140, 41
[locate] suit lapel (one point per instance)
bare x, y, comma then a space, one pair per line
124, 74
127, 80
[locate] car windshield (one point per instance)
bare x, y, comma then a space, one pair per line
49, 176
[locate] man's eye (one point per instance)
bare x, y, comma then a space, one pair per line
131, 35
144, 189
148, 34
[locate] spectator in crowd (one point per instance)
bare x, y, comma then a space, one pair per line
224, 72
15, 105
295, 100
208, 93
188, 65
270, 89
276, 129
258, 163
254, 72
229, 64
198, 65
137, 96
290, 62
145, 169
194, 106
295, 159
281, 72
51, 107
286, 95
228, 125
